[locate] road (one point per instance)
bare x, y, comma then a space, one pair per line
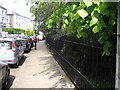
38, 69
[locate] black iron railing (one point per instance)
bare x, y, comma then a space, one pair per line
84, 64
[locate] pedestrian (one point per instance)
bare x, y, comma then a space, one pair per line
35, 42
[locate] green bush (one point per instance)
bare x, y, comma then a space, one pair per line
13, 30
18, 31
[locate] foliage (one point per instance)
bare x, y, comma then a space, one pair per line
27, 32
32, 33
44, 10
86, 19
18, 31
13, 30
83, 19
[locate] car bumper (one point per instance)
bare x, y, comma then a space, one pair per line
13, 61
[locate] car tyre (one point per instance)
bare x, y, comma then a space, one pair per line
6, 80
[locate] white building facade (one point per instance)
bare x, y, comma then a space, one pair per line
19, 21
11, 19
4, 19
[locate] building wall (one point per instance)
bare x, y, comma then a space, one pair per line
1, 24
32, 24
3, 18
21, 22
12, 19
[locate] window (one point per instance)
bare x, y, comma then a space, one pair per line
5, 45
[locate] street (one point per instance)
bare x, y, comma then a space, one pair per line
38, 69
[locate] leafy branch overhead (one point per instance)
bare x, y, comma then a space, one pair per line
83, 19
86, 18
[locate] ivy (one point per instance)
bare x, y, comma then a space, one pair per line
82, 13
85, 19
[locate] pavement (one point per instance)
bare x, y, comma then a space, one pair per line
41, 70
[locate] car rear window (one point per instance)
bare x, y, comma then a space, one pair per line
5, 45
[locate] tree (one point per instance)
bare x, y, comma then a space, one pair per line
83, 19
44, 11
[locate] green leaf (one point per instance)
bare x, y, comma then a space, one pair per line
49, 26
99, 25
88, 3
103, 37
66, 13
96, 2
71, 14
74, 6
58, 25
83, 13
105, 48
101, 40
97, 9
64, 25
66, 21
50, 21
102, 23
108, 44
81, 6
102, 7
93, 21
76, 16
95, 29
79, 35
79, 29
106, 52
90, 9
106, 12
68, 31
111, 21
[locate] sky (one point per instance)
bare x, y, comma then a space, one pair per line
18, 6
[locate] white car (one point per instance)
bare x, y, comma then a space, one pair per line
40, 36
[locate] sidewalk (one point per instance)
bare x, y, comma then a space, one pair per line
40, 70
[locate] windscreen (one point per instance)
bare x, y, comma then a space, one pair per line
5, 45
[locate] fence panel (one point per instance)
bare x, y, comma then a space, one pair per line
84, 64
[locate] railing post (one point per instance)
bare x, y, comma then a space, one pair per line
117, 82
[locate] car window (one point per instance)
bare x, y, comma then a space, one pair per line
23, 42
5, 45
17, 43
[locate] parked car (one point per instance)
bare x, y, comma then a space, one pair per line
4, 75
26, 44
11, 51
29, 39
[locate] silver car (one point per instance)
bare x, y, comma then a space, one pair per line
11, 51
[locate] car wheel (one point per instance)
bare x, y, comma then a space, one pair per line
29, 50
6, 80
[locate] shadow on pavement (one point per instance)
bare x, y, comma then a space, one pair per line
52, 71
10, 82
21, 62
